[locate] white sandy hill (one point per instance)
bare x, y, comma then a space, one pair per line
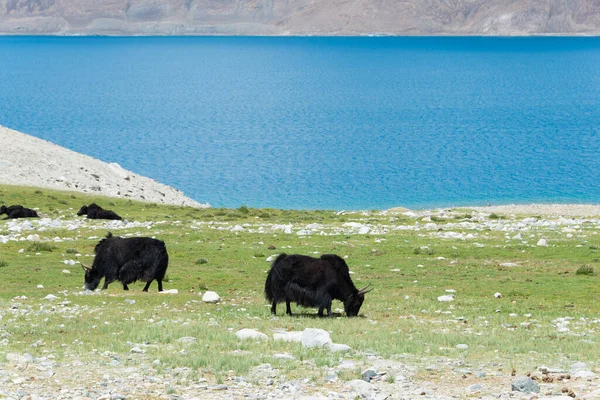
29, 161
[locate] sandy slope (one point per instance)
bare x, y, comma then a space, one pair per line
29, 161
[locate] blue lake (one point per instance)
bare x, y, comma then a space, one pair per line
321, 123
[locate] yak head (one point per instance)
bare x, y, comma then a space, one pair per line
354, 302
2, 210
92, 277
82, 210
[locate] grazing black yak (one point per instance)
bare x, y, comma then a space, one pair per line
94, 211
312, 282
127, 260
18, 211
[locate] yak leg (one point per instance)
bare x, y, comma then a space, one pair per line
288, 309
160, 288
274, 308
125, 287
326, 304
147, 286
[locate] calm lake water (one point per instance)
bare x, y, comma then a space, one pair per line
334, 123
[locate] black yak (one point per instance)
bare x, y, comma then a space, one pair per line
127, 260
94, 211
18, 211
312, 282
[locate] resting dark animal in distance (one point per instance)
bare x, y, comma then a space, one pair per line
18, 211
94, 211
127, 260
312, 282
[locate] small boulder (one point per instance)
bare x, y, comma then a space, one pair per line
312, 337
250, 334
446, 298
211, 297
295, 336
542, 242
525, 385
339, 347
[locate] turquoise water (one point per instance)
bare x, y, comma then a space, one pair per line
336, 123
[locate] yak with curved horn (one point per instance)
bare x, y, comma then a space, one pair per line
313, 282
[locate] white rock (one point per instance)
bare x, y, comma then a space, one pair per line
252, 334
497, 295
509, 264
50, 297
210, 297
312, 337
288, 336
66, 271
237, 228
40, 286
137, 349
33, 238
578, 366
169, 291
542, 242
338, 347
450, 291
462, 346
272, 258
364, 230
446, 298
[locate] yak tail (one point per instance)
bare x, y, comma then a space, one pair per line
269, 286
272, 280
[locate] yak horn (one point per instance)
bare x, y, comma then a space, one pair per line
85, 267
364, 290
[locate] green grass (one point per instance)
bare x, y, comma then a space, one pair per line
400, 317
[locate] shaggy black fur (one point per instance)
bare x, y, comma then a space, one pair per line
94, 211
312, 282
18, 211
127, 260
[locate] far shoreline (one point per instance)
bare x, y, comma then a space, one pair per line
546, 209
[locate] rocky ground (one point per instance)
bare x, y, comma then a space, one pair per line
108, 375
29, 161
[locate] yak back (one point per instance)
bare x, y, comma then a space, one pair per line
9, 209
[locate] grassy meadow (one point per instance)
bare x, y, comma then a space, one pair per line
407, 259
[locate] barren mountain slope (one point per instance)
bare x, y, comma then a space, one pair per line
301, 17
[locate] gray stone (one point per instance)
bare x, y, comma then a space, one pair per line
525, 385
361, 387
475, 388
583, 374
369, 374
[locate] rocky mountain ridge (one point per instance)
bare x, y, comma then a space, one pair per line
300, 17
